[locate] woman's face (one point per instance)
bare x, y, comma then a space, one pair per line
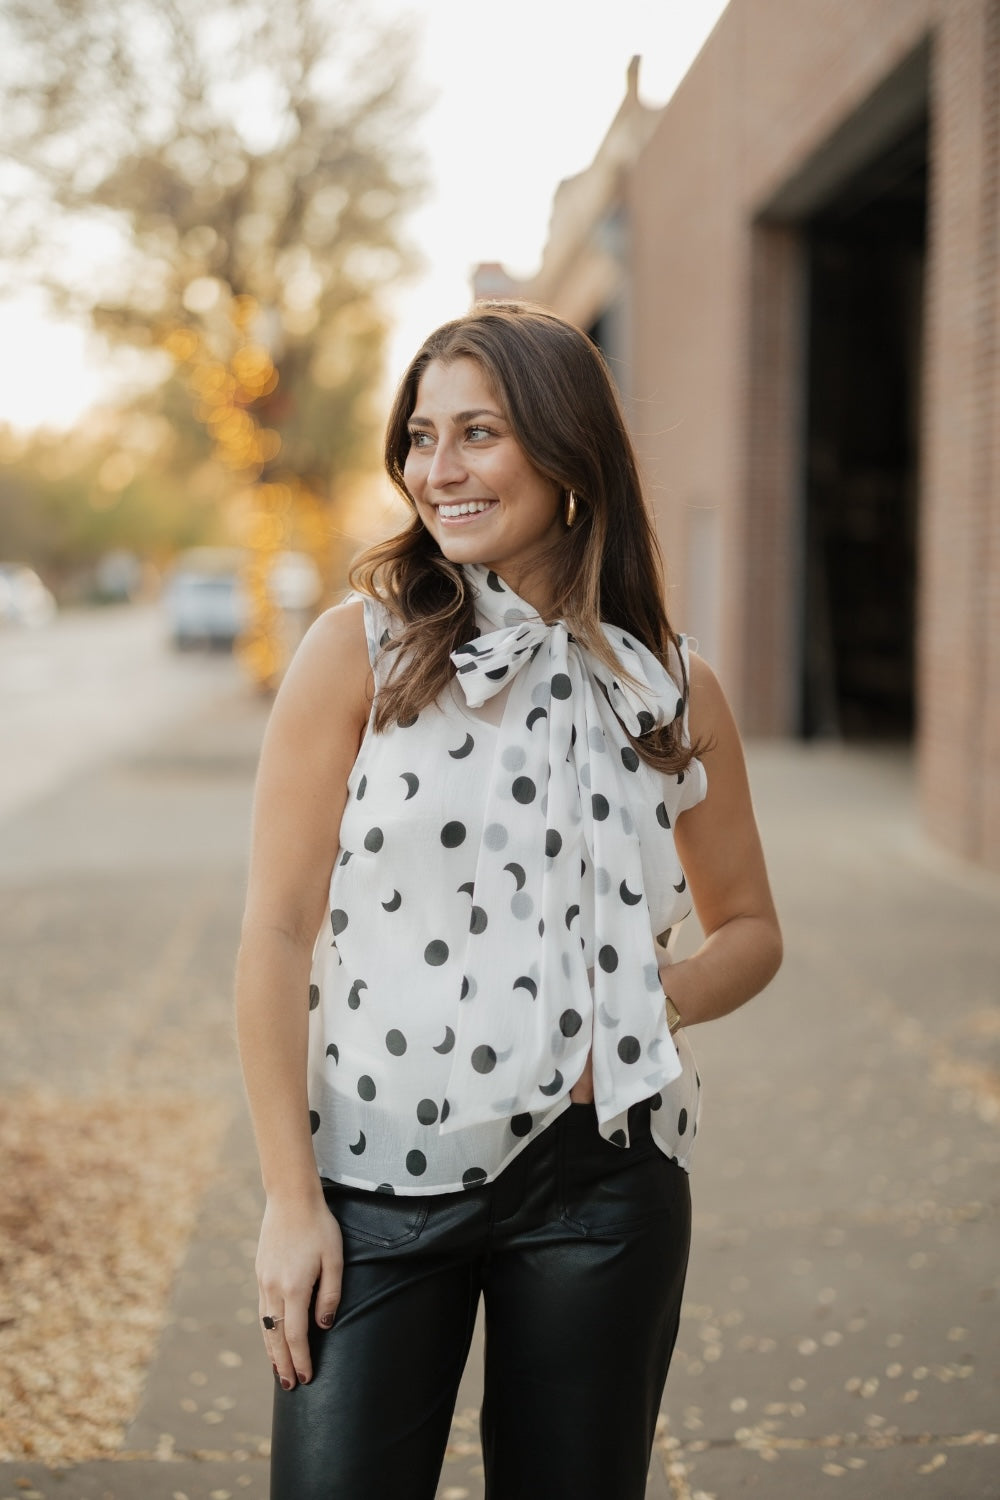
475, 489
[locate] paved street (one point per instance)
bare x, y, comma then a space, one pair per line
842, 1327
87, 684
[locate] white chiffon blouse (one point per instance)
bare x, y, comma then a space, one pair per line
502, 899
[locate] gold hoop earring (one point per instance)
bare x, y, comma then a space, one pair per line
570, 509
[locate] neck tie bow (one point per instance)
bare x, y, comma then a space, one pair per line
560, 959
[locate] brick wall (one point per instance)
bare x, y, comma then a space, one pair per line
719, 323
959, 738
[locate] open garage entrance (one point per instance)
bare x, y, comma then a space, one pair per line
865, 256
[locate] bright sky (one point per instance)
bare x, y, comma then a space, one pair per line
521, 95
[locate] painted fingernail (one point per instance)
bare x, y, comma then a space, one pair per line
303, 1378
326, 1321
286, 1385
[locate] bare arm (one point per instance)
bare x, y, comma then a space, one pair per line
720, 851
311, 744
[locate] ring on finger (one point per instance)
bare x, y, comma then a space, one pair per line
269, 1322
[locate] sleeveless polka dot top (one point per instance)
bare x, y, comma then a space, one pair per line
501, 902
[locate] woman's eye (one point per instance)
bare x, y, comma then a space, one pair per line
419, 439
477, 431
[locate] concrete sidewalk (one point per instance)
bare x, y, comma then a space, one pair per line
842, 1324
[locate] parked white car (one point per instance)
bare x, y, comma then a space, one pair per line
204, 600
294, 582
24, 599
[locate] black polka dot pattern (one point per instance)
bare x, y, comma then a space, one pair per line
447, 1043
498, 906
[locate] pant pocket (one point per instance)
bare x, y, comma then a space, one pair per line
605, 1189
380, 1219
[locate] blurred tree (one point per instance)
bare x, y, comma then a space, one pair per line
68, 499
222, 184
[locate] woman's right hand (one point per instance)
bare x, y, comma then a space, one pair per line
300, 1250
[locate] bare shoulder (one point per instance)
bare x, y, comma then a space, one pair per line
330, 673
340, 630
709, 714
314, 730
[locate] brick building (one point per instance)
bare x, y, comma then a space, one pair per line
794, 268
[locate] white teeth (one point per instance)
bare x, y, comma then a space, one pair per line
467, 508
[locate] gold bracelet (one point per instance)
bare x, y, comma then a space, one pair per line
674, 1022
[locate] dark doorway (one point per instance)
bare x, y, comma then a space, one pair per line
866, 260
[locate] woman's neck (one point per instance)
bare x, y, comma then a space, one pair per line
530, 585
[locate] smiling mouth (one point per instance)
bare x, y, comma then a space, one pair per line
466, 508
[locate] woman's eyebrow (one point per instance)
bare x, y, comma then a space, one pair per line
460, 417
479, 411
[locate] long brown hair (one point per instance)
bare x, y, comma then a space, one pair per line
558, 396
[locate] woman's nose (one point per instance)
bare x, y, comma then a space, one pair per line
447, 466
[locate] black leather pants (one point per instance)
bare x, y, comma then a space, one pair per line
579, 1251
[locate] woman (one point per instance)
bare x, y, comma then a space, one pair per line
480, 786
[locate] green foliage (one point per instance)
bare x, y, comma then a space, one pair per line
67, 500
165, 157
